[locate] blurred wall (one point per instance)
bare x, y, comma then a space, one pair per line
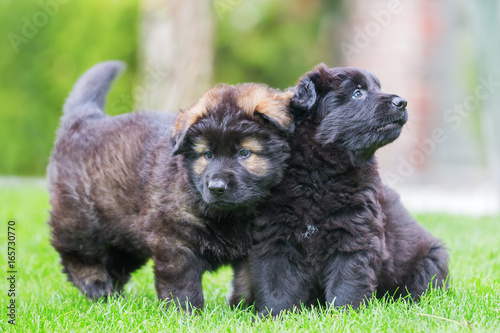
401, 41
430, 52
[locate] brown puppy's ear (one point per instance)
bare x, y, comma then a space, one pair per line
275, 110
179, 131
271, 105
185, 119
311, 87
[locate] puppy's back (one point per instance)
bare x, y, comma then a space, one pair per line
99, 163
415, 256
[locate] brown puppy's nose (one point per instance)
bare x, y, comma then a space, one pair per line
217, 187
399, 103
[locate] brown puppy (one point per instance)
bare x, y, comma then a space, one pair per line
121, 194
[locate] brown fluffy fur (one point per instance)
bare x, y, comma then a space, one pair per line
120, 193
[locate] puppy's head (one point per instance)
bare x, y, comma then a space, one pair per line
348, 110
234, 144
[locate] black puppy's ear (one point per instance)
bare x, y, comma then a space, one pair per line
310, 87
305, 95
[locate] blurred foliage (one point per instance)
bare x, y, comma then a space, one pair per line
58, 41
48, 44
274, 42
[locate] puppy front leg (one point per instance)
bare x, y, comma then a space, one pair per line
178, 272
243, 289
281, 278
350, 279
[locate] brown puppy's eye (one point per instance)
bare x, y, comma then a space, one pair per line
208, 154
244, 153
357, 94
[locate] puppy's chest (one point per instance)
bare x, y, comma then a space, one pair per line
337, 219
223, 243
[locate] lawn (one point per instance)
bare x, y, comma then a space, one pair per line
46, 302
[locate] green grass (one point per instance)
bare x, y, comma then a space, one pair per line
46, 302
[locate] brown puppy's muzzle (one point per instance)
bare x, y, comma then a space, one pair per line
217, 186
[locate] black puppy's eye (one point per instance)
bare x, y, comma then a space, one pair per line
208, 154
357, 94
244, 153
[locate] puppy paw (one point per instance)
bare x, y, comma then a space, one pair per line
93, 281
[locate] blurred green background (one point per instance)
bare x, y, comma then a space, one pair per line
39, 65
437, 54
36, 79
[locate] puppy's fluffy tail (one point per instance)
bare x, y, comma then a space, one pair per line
89, 93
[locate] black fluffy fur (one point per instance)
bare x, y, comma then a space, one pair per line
331, 232
120, 195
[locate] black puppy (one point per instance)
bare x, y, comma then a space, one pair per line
140, 185
331, 232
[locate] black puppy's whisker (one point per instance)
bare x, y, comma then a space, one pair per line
409, 129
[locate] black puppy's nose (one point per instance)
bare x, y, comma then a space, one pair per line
399, 103
217, 187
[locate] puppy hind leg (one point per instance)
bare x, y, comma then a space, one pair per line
88, 275
120, 264
349, 279
430, 271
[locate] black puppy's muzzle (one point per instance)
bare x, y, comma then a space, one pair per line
394, 114
399, 103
